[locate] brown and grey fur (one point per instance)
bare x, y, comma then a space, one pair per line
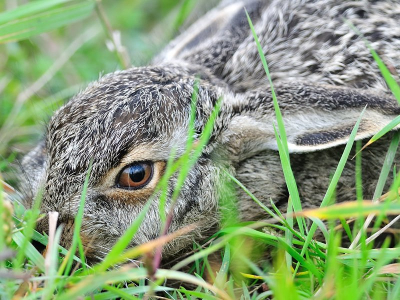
324, 76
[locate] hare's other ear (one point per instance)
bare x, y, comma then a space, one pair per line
315, 118
215, 37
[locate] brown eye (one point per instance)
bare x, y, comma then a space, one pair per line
135, 176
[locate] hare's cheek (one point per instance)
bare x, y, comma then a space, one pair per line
120, 196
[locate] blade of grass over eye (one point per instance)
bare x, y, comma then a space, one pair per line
206, 134
78, 222
193, 156
41, 16
187, 161
193, 151
124, 240
163, 186
334, 182
392, 84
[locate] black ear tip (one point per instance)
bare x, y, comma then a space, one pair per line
324, 136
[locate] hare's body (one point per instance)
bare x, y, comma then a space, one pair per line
323, 74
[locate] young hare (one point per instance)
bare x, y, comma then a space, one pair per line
129, 122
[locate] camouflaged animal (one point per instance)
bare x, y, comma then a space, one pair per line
129, 122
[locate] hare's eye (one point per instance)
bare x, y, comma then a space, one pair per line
135, 176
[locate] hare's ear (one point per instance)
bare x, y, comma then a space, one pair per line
216, 35
315, 118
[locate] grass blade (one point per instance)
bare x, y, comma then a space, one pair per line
383, 131
124, 241
335, 179
281, 136
78, 222
41, 16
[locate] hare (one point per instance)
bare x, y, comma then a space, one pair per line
129, 122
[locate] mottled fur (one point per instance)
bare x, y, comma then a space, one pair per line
323, 74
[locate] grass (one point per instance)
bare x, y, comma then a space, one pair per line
229, 265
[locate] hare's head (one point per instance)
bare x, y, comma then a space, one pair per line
128, 123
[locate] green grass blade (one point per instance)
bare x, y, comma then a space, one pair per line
281, 136
352, 209
28, 250
44, 240
28, 9
129, 291
163, 186
394, 293
184, 11
52, 275
39, 17
342, 163
119, 293
222, 274
358, 175
124, 241
290, 182
383, 131
254, 198
2, 224
289, 234
192, 117
279, 119
78, 221
390, 155
29, 231
334, 181
383, 259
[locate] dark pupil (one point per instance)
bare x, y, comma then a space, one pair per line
136, 173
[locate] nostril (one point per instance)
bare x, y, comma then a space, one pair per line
39, 246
